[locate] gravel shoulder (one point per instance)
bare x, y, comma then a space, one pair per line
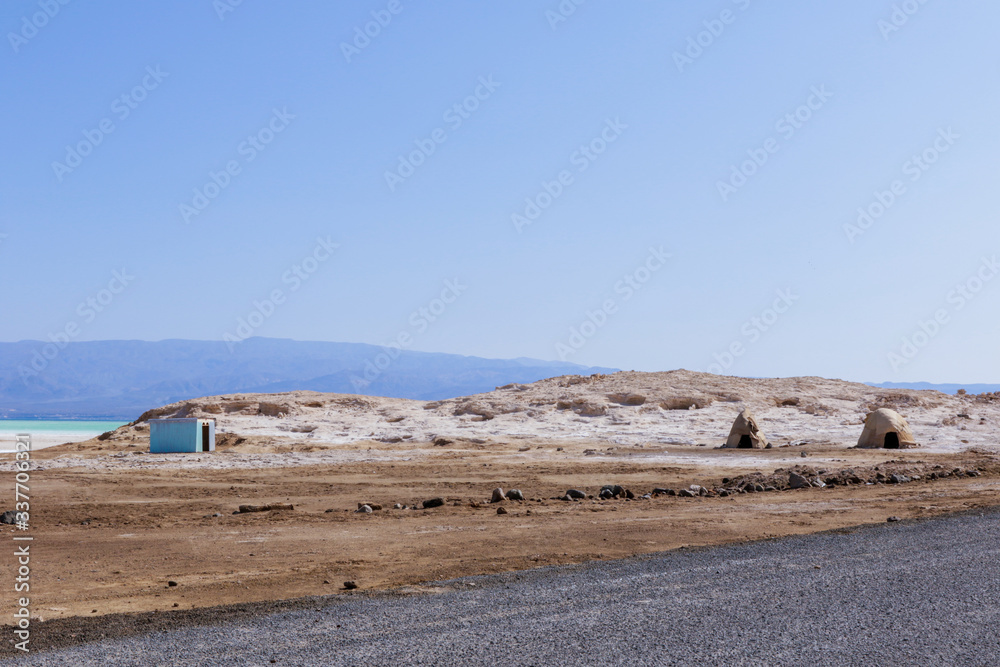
912, 592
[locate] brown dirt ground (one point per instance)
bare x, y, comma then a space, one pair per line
108, 542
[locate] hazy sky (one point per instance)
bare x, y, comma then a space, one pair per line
645, 185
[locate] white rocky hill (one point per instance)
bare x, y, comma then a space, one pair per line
625, 408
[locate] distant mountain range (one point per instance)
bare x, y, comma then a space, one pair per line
944, 388
120, 379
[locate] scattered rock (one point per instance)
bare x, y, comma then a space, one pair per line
804, 455
818, 483
364, 509
397, 506
576, 493
498, 496
658, 491
171, 583
441, 442
349, 585
686, 493
9, 517
616, 490
433, 502
629, 494
797, 481
374, 506
893, 519
244, 509
627, 399
515, 494
606, 494
898, 479
501, 510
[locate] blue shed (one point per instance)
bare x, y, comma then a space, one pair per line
181, 435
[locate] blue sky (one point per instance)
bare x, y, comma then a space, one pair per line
611, 119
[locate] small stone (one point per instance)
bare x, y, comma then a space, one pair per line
397, 506
171, 583
606, 494
629, 494
576, 493
818, 483
515, 494
686, 493
433, 502
658, 491
498, 496
501, 510
364, 509
893, 519
350, 585
797, 481
804, 455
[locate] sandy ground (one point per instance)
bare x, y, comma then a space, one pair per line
113, 524
109, 541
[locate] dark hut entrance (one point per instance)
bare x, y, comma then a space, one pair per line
891, 440
745, 442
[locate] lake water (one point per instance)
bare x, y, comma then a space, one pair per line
46, 433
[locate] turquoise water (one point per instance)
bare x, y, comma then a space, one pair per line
57, 427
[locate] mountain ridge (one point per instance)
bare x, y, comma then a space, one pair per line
121, 379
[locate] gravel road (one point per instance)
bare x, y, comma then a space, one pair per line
906, 593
